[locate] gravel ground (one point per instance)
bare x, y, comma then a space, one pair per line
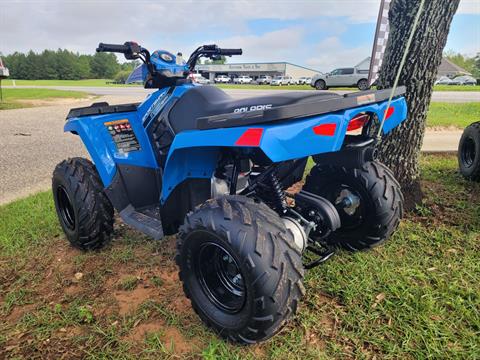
32, 142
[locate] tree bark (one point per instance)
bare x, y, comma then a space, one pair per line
400, 149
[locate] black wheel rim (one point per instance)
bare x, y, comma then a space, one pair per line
220, 277
65, 207
468, 152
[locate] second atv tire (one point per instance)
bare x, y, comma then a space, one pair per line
469, 152
240, 268
378, 208
84, 211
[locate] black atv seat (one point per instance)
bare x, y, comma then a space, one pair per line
203, 101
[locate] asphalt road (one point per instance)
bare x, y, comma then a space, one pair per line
32, 141
443, 96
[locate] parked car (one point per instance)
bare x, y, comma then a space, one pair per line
244, 79
456, 81
465, 80
304, 80
264, 80
348, 77
199, 79
444, 80
222, 79
281, 80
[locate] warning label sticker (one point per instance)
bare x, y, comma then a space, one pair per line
123, 135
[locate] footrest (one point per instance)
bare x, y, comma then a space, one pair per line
144, 221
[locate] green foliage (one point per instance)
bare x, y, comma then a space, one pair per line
63, 65
222, 60
104, 65
471, 64
122, 76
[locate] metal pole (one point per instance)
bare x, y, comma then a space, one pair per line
1, 91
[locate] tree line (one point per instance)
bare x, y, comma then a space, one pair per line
471, 64
64, 65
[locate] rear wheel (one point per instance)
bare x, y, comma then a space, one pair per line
84, 211
469, 152
240, 268
363, 84
320, 85
369, 202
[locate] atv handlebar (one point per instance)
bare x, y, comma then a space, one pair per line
112, 48
130, 49
210, 51
230, 52
133, 51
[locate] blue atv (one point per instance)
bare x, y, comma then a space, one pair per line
219, 172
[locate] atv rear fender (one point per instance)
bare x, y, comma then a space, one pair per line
194, 153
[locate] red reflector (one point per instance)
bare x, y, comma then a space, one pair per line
325, 129
357, 122
250, 137
389, 112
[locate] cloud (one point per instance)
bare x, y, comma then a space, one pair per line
330, 53
469, 7
276, 45
79, 25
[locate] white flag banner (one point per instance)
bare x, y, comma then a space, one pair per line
380, 41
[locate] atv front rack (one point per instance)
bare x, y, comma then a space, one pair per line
297, 111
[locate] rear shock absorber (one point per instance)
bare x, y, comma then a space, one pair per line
278, 194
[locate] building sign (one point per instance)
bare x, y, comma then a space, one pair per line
278, 67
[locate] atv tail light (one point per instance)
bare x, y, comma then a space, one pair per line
250, 137
389, 112
325, 129
358, 122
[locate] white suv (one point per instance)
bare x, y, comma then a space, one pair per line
264, 79
222, 79
243, 80
282, 80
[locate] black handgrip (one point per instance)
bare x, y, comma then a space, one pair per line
230, 52
113, 48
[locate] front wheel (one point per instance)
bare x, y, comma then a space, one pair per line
363, 84
84, 211
469, 152
369, 201
320, 85
240, 268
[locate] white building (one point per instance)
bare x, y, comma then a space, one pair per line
254, 70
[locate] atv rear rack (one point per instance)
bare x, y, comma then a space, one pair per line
297, 111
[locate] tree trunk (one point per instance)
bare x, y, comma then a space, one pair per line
400, 149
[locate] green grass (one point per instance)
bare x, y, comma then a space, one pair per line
86, 82
453, 114
456, 88
416, 297
25, 223
103, 82
18, 98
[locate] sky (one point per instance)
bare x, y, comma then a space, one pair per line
320, 34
